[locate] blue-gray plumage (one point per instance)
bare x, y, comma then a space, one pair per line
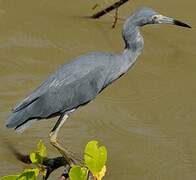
80, 81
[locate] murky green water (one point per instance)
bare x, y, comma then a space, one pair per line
147, 119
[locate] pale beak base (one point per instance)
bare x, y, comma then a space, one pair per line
159, 19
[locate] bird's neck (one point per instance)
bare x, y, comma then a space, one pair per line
133, 42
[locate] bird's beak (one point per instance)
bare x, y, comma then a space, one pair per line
167, 20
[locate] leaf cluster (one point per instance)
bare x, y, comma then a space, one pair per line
94, 164
95, 159
36, 158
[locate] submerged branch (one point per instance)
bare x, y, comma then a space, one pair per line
108, 9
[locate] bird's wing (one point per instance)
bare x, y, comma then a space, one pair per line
64, 97
66, 76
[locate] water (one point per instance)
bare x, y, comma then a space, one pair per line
146, 119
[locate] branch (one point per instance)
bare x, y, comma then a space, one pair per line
50, 163
108, 9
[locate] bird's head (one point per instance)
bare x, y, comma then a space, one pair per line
145, 15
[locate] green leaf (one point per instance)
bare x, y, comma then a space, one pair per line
95, 157
78, 173
35, 170
38, 156
11, 177
41, 148
29, 174
101, 174
33, 158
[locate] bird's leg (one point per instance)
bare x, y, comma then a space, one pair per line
53, 138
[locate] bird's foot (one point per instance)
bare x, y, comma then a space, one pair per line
53, 138
63, 152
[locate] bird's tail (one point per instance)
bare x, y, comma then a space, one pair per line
19, 120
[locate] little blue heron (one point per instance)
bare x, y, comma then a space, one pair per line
80, 81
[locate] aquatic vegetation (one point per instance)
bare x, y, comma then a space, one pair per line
36, 158
95, 158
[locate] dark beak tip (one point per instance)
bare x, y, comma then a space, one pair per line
188, 26
179, 23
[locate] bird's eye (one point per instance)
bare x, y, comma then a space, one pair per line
155, 19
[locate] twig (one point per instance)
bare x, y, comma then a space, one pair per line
119, 18
108, 9
54, 163
115, 18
